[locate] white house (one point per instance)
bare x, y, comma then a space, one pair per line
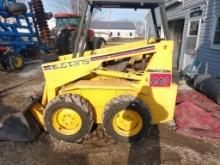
107, 30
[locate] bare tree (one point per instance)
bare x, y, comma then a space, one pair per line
76, 6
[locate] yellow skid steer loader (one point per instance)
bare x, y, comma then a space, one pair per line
106, 87
82, 89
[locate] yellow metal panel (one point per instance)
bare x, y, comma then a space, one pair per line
161, 102
162, 59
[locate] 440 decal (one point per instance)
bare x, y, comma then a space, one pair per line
160, 79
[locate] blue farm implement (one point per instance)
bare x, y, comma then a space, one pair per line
19, 37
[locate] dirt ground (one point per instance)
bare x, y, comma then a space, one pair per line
163, 146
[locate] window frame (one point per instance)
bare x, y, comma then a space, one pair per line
215, 46
190, 21
198, 35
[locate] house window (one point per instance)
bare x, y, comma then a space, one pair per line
192, 37
194, 28
119, 34
216, 35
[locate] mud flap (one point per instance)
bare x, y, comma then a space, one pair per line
19, 127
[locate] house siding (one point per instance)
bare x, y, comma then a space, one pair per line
209, 57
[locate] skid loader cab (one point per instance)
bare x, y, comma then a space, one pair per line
84, 88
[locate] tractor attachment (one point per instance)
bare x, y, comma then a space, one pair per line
20, 126
20, 39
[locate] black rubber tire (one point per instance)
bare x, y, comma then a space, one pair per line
80, 105
98, 42
208, 86
11, 66
62, 41
131, 103
66, 41
16, 9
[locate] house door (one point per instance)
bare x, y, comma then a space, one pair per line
176, 31
191, 44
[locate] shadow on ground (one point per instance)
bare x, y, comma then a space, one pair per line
146, 151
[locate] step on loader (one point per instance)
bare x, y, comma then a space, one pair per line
106, 87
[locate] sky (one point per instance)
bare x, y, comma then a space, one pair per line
122, 14
55, 6
131, 15
104, 14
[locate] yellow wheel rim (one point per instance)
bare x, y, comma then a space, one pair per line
18, 62
67, 121
127, 123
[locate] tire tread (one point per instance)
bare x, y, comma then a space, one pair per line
77, 100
